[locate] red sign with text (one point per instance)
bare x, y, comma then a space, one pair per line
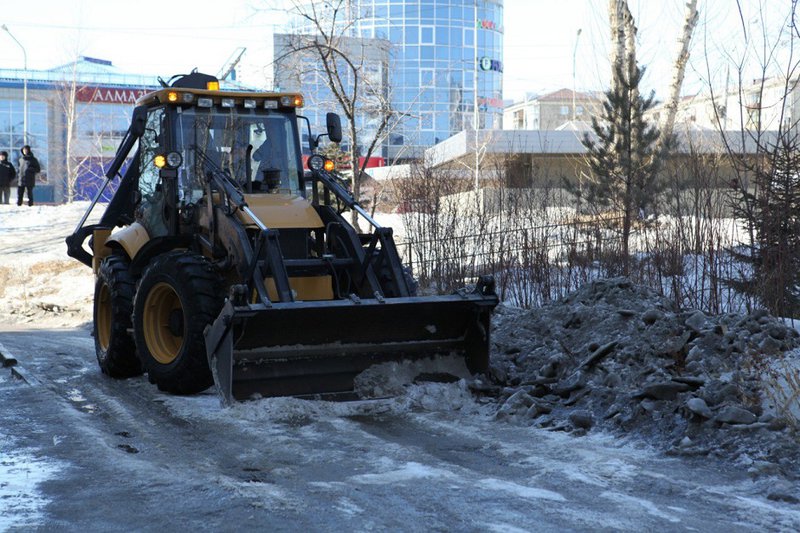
109, 95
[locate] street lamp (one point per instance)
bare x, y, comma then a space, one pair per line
476, 119
574, 54
24, 85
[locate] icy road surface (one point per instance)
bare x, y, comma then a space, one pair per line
81, 452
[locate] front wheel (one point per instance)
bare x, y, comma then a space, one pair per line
180, 293
113, 304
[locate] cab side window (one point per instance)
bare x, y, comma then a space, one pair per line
151, 207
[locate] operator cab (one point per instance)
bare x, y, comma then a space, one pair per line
253, 146
251, 137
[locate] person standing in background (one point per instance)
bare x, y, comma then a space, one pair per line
28, 169
7, 176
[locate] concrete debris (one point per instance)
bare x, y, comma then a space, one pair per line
732, 414
618, 357
699, 407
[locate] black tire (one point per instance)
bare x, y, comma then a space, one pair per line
113, 305
180, 293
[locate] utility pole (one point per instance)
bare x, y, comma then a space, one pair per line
574, 55
476, 116
24, 85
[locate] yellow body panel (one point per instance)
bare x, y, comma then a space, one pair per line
99, 248
131, 238
281, 211
308, 288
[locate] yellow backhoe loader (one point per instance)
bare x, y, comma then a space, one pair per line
219, 259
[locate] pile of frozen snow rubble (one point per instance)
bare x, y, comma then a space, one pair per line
618, 357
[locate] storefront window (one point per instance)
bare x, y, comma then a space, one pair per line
11, 129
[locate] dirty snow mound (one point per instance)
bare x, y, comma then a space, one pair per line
618, 356
39, 284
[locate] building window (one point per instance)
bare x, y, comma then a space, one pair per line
519, 120
426, 77
564, 110
426, 35
11, 126
469, 37
426, 121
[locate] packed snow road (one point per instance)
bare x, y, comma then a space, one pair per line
79, 451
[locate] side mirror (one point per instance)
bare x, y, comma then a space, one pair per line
334, 126
139, 121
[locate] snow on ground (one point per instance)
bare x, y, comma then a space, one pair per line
39, 283
21, 474
618, 357
609, 357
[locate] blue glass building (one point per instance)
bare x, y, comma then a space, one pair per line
441, 51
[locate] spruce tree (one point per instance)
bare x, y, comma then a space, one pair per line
622, 155
771, 209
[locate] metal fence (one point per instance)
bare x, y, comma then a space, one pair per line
684, 259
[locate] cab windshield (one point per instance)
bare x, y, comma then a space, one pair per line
258, 149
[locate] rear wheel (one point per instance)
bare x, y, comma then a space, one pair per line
179, 295
113, 305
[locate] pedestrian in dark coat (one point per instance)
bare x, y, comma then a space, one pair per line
7, 176
28, 169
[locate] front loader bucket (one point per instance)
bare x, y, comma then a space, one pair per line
301, 348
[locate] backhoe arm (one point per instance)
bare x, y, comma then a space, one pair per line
122, 202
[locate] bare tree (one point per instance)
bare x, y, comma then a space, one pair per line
682, 58
68, 90
763, 151
355, 72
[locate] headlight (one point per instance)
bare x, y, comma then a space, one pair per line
316, 163
174, 159
291, 100
180, 97
170, 160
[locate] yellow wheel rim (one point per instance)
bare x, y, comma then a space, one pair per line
161, 308
102, 321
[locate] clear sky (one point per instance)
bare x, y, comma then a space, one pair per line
541, 37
